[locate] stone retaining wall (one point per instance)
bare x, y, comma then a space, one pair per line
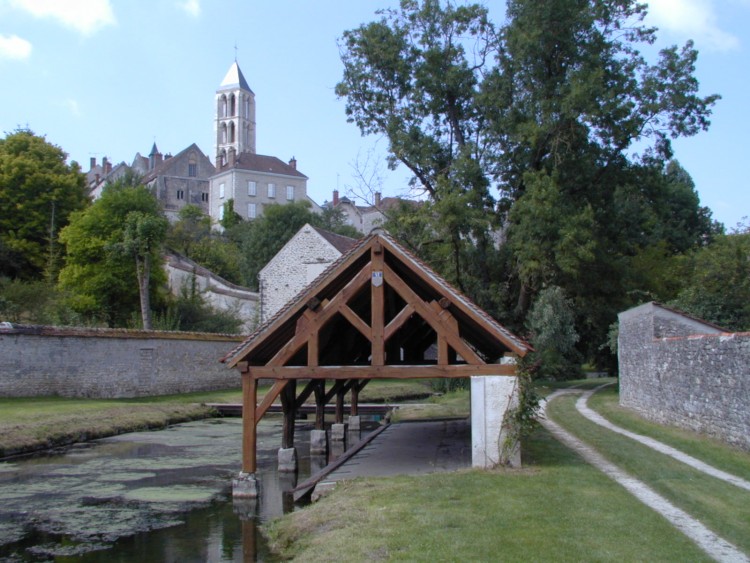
678, 370
111, 363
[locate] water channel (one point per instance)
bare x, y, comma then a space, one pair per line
147, 496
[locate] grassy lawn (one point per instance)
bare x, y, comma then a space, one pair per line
735, 461
722, 507
556, 509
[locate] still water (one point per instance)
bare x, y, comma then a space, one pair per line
147, 496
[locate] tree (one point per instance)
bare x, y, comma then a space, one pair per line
718, 289
142, 238
98, 276
38, 192
551, 323
527, 130
191, 229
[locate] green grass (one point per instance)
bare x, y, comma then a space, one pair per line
732, 460
456, 404
722, 507
556, 509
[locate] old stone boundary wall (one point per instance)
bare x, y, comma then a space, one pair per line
678, 370
111, 363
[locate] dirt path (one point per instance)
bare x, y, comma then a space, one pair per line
715, 546
582, 406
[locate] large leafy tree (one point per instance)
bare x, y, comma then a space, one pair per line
529, 130
38, 192
101, 279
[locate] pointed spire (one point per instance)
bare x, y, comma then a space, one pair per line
154, 150
234, 78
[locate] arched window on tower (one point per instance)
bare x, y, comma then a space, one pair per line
247, 107
223, 106
223, 133
232, 105
231, 132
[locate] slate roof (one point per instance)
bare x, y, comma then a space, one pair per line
234, 78
262, 163
339, 242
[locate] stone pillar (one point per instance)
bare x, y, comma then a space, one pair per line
338, 432
318, 442
354, 423
491, 397
245, 485
287, 460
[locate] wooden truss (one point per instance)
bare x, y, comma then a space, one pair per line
378, 312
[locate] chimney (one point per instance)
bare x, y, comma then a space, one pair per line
97, 180
377, 199
335, 198
232, 156
107, 167
93, 163
293, 163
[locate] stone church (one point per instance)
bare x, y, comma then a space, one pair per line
250, 180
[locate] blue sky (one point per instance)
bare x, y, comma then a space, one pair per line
110, 77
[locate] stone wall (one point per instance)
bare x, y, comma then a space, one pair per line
111, 363
678, 370
217, 292
293, 268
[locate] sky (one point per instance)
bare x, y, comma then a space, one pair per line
111, 77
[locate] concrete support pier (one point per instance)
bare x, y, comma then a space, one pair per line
338, 432
318, 442
354, 423
287, 460
492, 443
245, 486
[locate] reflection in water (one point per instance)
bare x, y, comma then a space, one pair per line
149, 496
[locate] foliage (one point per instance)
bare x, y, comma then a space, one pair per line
102, 282
551, 323
34, 302
142, 238
523, 138
190, 230
259, 240
38, 192
718, 283
229, 217
190, 312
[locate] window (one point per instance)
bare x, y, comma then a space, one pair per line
221, 190
204, 197
252, 189
271, 190
221, 212
290, 193
192, 169
180, 194
251, 211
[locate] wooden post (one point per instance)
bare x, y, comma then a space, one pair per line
249, 402
340, 404
355, 399
378, 306
288, 406
320, 405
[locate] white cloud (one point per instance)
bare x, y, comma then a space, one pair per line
692, 19
14, 48
84, 16
72, 106
192, 7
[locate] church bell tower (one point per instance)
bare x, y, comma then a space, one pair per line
235, 117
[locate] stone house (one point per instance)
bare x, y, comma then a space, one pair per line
310, 251
364, 218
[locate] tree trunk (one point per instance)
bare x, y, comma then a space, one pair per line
144, 275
